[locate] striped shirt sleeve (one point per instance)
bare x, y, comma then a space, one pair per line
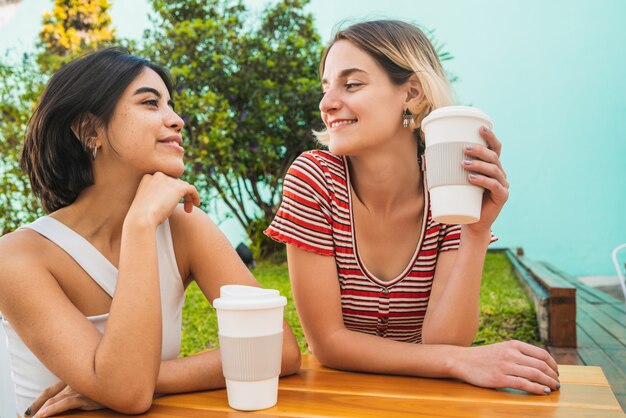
452, 238
304, 216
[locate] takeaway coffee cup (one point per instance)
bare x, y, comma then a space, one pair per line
250, 323
453, 199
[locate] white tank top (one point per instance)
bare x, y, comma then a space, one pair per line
30, 377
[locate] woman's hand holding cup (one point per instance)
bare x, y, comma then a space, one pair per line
486, 171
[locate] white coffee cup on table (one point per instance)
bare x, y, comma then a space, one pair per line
250, 323
447, 130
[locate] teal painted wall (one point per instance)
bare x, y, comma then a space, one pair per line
551, 74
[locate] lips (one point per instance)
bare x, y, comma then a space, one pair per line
341, 122
177, 139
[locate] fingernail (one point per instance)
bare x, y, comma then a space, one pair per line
558, 385
27, 413
485, 129
467, 162
469, 147
547, 390
472, 176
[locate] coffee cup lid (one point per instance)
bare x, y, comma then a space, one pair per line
238, 297
448, 111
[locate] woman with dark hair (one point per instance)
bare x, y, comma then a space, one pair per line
92, 293
379, 285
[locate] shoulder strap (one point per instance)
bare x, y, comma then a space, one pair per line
97, 266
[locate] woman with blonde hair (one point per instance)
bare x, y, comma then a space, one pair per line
378, 284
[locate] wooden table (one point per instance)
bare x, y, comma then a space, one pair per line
319, 391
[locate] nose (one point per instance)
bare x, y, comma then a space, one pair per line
330, 101
174, 121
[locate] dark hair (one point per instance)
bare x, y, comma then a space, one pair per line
82, 93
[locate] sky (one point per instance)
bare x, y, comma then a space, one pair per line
551, 74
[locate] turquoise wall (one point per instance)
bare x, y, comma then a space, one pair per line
551, 74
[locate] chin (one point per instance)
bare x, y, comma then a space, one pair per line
173, 170
338, 147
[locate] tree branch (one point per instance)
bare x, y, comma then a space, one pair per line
215, 184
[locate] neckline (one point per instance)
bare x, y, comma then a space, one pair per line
407, 269
85, 241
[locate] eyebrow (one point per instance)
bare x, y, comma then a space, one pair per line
154, 91
346, 73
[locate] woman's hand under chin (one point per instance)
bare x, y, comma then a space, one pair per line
486, 171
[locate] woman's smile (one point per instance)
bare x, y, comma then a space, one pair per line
174, 142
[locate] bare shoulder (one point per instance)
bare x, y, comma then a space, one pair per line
24, 264
22, 249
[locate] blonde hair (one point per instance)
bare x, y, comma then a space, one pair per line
402, 50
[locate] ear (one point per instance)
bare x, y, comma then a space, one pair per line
85, 129
415, 92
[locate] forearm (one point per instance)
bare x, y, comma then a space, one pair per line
128, 356
203, 371
355, 351
454, 320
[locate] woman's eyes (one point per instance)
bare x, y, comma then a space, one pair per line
151, 102
353, 85
348, 86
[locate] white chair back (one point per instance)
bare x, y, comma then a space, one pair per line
620, 250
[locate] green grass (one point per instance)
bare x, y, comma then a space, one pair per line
200, 322
505, 311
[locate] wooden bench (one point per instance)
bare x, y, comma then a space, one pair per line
554, 299
599, 334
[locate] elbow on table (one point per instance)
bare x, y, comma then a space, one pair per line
291, 360
131, 395
326, 353
132, 402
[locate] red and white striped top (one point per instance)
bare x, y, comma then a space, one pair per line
316, 215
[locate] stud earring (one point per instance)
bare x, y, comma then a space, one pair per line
407, 118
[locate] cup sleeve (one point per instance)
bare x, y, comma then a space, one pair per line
451, 238
304, 216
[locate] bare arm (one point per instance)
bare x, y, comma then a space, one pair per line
212, 263
452, 315
317, 295
118, 369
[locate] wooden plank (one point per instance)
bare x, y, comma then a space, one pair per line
615, 311
160, 411
568, 374
598, 295
599, 336
565, 355
547, 277
304, 403
582, 375
593, 354
616, 329
561, 308
536, 293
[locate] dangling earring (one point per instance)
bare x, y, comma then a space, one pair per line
94, 152
407, 118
